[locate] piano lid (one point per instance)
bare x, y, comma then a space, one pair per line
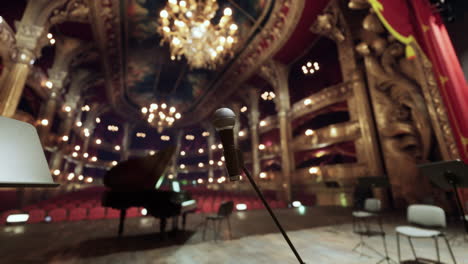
139, 173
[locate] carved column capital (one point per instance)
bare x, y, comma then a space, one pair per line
57, 78
27, 38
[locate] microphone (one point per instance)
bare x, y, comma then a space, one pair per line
224, 120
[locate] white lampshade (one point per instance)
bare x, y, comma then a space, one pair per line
22, 159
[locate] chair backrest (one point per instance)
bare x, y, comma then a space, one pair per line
226, 208
372, 205
426, 215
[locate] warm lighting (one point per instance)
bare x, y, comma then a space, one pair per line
263, 123
309, 132
210, 180
160, 117
85, 108
86, 132
17, 218
200, 150
241, 207
77, 148
98, 141
44, 122
79, 124
186, 26
144, 211
178, 115
200, 181
243, 109
52, 41
268, 96
310, 68
75, 154
241, 133
222, 158
67, 108
165, 138
80, 178
307, 101
49, 84
333, 132
170, 176
117, 147
213, 147
114, 163
112, 128
263, 175
190, 137
201, 165
94, 159
89, 180
313, 170
140, 135
205, 133
65, 138
182, 166
85, 155
70, 176
220, 146
56, 172
152, 152
211, 162
296, 204
220, 163
182, 153
98, 120
261, 147
49, 35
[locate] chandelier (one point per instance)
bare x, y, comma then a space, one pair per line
186, 25
160, 116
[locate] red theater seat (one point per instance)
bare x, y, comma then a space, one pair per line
97, 213
133, 212
77, 214
49, 206
36, 215
58, 215
112, 213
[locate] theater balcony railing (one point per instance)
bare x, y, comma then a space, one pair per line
326, 136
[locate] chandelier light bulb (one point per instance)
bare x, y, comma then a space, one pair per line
163, 14
65, 138
98, 141
85, 155
44, 122
77, 148
227, 11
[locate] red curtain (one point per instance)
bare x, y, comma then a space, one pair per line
435, 41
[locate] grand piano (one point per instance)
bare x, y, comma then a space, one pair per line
132, 183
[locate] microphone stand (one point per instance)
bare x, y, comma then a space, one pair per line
259, 193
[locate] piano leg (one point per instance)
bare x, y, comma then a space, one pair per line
175, 223
184, 218
162, 226
123, 213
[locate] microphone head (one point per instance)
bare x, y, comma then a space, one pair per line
224, 118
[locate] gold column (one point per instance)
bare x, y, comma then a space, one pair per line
210, 142
27, 38
254, 116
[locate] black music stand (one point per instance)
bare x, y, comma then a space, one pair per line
449, 175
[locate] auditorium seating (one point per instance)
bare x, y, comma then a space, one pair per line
86, 205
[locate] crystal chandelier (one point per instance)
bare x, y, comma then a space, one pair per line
186, 26
160, 116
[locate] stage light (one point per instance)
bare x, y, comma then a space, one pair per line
241, 207
17, 218
296, 204
309, 132
44, 122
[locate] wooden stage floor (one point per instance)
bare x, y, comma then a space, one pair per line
321, 235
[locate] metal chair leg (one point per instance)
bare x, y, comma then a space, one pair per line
398, 246
229, 227
412, 248
450, 249
204, 228
437, 249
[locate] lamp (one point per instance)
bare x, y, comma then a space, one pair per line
22, 159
